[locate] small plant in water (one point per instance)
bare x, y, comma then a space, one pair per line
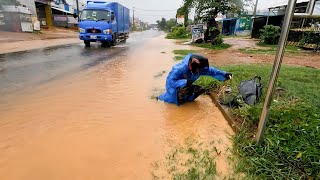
192, 160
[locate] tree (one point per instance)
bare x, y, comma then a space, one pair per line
207, 10
170, 24
162, 24
184, 10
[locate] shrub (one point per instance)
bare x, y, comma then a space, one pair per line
179, 32
270, 34
218, 40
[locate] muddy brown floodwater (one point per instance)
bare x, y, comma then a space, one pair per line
102, 123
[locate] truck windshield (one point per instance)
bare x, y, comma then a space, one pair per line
95, 15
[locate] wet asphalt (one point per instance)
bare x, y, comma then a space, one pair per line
28, 69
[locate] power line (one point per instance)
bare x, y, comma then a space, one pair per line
141, 9
156, 14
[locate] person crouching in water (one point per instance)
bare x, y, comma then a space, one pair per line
179, 84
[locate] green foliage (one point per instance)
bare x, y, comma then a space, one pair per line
170, 24
302, 41
214, 47
162, 24
309, 38
184, 11
218, 41
183, 52
189, 161
270, 34
304, 36
178, 58
208, 83
179, 32
206, 9
290, 148
166, 25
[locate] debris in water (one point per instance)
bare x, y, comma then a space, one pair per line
159, 74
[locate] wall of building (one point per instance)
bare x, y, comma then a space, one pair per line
29, 4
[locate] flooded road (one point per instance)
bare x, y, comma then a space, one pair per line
93, 118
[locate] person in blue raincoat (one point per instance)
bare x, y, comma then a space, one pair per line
179, 88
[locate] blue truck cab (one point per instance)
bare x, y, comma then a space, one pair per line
106, 22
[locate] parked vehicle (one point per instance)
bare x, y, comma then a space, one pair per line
106, 22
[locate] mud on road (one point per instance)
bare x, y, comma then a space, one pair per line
100, 123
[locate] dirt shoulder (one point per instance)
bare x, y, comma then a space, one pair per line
15, 42
234, 56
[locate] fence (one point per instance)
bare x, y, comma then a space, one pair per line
306, 38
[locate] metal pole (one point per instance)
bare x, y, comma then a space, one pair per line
78, 10
309, 10
276, 68
312, 5
305, 15
133, 19
254, 16
268, 17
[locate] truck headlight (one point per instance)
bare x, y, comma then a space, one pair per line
82, 30
107, 31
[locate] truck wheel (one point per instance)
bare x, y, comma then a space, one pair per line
114, 41
125, 39
87, 43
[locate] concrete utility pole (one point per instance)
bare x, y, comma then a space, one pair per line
133, 19
78, 10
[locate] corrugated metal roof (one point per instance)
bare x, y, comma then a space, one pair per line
285, 2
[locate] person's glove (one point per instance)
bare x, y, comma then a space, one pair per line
228, 76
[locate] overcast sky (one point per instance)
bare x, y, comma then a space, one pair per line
154, 7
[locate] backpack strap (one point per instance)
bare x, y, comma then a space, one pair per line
258, 84
258, 78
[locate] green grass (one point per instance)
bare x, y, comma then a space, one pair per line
180, 38
191, 160
208, 82
213, 47
178, 58
183, 52
270, 49
290, 148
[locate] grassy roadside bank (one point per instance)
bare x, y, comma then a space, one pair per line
213, 47
290, 149
291, 145
181, 53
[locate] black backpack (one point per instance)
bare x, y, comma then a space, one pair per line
251, 90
